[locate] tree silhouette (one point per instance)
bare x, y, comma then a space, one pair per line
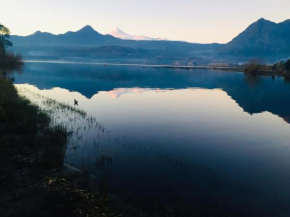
4, 38
287, 65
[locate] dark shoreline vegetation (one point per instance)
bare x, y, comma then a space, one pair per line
255, 67
9, 62
33, 180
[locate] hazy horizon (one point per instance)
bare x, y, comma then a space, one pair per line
192, 21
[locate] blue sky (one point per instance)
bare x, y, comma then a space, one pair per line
187, 20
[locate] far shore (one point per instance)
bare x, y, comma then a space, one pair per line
139, 65
261, 72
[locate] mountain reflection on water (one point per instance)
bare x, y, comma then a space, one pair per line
253, 94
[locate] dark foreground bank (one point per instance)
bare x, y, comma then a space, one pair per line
33, 181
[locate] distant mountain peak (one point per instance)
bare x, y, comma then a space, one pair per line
87, 28
262, 20
261, 38
37, 33
117, 29
118, 33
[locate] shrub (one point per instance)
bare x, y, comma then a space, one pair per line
10, 62
287, 65
253, 66
17, 113
53, 144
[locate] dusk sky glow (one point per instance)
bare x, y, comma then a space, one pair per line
204, 21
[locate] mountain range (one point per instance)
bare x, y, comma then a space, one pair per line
263, 39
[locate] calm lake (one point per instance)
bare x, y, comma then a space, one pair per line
168, 136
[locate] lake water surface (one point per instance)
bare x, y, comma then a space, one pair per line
204, 138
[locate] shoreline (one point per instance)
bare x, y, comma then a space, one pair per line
137, 65
261, 72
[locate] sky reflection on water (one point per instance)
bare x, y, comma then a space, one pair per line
189, 136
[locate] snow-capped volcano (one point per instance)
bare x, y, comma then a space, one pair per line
118, 33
